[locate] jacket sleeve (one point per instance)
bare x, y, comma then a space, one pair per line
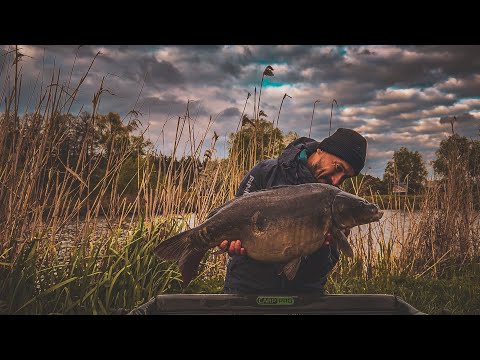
253, 181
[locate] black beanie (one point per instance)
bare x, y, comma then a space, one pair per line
348, 145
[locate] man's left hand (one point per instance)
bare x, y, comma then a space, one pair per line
329, 239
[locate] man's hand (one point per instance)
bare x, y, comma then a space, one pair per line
235, 247
330, 240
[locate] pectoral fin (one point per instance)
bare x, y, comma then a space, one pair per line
342, 242
291, 268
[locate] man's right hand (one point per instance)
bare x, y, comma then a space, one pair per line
235, 247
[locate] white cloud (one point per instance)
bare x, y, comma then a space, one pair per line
219, 78
170, 53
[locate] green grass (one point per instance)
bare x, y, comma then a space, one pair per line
97, 278
457, 295
432, 296
208, 286
103, 272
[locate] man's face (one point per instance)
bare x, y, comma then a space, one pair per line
328, 168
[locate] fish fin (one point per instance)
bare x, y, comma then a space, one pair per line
217, 209
173, 248
291, 268
342, 242
180, 247
214, 211
189, 264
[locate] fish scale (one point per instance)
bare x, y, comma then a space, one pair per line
276, 225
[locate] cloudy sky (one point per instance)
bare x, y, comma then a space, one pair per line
394, 95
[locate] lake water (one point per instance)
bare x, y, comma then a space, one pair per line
392, 223
394, 227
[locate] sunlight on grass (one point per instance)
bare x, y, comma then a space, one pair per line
78, 225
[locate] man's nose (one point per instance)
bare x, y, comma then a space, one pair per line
336, 179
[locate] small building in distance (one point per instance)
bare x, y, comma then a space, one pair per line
399, 188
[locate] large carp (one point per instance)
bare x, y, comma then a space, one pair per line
280, 225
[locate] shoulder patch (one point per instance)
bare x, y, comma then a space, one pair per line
249, 184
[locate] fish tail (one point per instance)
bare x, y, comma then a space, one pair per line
181, 248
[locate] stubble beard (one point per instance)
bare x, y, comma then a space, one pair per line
319, 175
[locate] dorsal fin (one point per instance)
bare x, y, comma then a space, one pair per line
317, 185
214, 211
275, 187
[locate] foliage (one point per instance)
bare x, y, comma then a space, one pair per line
61, 175
455, 293
289, 137
364, 184
94, 278
256, 140
128, 181
461, 151
406, 167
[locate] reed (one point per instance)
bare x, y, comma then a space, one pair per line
73, 240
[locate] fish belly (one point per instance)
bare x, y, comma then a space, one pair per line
287, 239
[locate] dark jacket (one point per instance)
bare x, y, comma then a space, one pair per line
245, 275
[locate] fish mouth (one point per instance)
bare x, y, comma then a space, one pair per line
376, 214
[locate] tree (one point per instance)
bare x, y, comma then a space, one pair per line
364, 185
458, 152
256, 140
291, 136
406, 167
112, 132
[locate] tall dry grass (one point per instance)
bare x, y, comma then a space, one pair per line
70, 243
53, 242
447, 235
431, 235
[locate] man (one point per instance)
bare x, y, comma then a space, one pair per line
331, 161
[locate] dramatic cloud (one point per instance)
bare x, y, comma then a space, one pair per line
231, 112
466, 117
395, 95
